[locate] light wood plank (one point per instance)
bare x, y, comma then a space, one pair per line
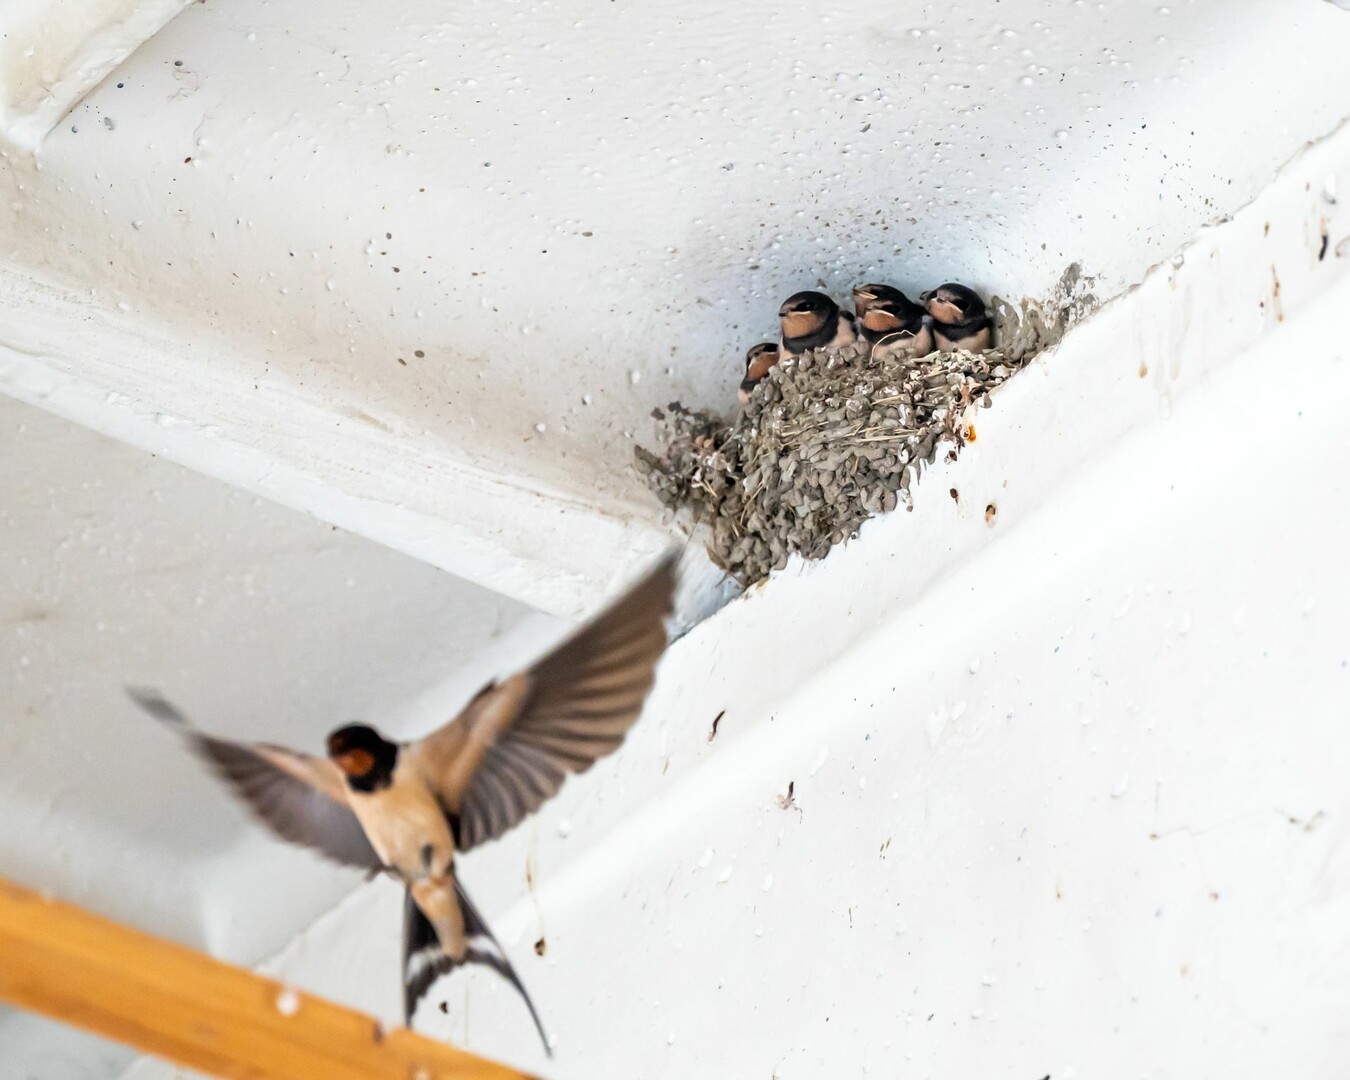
176, 1003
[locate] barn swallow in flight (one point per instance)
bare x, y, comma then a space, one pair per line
407, 808
758, 361
960, 320
811, 320
865, 295
895, 326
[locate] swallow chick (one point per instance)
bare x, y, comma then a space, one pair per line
811, 320
896, 327
758, 361
960, 320
408, 808
865, 295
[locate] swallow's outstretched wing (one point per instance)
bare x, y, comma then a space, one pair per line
515, 743
300, 798
424, 960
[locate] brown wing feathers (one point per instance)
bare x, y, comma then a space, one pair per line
509, 751
287, 791
583, 698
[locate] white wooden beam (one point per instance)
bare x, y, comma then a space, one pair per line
135, 382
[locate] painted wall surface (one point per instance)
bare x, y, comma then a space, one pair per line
495, 237
1059, 795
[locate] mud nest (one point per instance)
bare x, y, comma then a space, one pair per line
828, 440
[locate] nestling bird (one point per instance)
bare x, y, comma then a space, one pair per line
864, 295
811, 320
758, 361
960, 320
407, 808
896, 327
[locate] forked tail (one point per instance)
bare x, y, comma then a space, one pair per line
424, 961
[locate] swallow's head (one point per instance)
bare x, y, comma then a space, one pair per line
758, 360
892, 314
864, 296
952, 303
804, 313
365, 757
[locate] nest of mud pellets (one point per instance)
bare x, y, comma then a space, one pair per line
828, 440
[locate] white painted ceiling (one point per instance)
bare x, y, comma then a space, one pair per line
420, 271
493, 236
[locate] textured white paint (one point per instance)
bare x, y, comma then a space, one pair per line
594, 208
1068, 791
557, 553
54, 51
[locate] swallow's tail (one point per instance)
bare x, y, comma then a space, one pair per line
424, 961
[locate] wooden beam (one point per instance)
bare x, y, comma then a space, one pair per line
179, 1004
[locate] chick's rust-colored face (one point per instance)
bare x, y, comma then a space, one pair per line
759, 360
360, 751
881, 321
804, 313
952, 303
945, 307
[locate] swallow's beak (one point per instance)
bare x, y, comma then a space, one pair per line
924, 297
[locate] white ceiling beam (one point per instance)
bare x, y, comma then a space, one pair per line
406, 489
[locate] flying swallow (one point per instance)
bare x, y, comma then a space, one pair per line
960, 320
864, 295
895, 326
811, 320
758, 361
406, 809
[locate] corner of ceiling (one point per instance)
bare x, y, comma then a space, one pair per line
53, 52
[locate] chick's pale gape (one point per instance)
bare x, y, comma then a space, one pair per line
407, 808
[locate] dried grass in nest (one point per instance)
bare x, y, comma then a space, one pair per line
828, 440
